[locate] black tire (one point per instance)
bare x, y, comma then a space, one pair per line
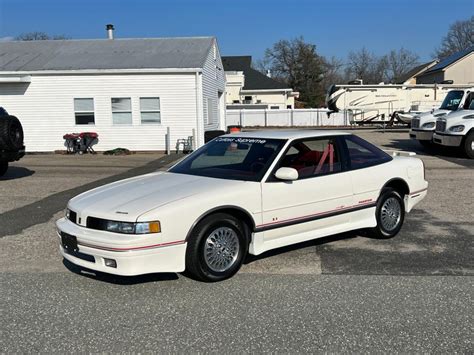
468, 145
3, 167
197, 267
11, 133
388, 196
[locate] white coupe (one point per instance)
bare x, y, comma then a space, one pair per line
238, 194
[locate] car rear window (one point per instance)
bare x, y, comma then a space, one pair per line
363, 154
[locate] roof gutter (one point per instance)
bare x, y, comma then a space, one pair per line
103, 71
15, 78
266, 90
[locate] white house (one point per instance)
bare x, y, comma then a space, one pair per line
458, 68
247, 88
127, 90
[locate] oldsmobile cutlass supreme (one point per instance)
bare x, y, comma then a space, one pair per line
239, 194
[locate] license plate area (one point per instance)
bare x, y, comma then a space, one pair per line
69, 243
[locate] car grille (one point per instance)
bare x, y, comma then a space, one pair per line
415, 123
440, 126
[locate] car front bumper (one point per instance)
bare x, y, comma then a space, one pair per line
447, 139
421, 135
130, 261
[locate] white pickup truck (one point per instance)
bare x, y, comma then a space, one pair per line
423, 124
456, 129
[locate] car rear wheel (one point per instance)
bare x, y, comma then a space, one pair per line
216, 248
390, 214
3, 167
469, 145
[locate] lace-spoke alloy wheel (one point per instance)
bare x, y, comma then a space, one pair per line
390, 214
221, 249
216, 248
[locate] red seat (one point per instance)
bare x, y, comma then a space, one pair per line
308, 159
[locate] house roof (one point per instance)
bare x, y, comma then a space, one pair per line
150, 53
413, 72
254, 80
450, 60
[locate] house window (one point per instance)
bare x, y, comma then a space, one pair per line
235, 101
210, 111
150, 110
84, 111
274, 107
121, 110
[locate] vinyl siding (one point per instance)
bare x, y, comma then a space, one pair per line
46, 108
213, 80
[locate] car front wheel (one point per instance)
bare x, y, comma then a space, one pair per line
390, 214
216, 248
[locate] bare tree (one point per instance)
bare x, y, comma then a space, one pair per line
399, 62
297, 63
333, 72
366, 66
38, 36
460, 36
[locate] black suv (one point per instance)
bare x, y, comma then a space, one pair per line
11, 140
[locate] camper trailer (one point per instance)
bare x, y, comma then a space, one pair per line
386, 102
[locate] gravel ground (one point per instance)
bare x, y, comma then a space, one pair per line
346, 293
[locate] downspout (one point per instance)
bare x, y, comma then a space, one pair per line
199, 108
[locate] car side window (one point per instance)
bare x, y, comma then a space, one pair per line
363, 154
313, 157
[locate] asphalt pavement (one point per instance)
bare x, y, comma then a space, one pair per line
346, 293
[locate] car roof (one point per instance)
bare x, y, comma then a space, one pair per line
287, 134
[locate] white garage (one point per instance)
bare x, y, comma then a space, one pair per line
129, 91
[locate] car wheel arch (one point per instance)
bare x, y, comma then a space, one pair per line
241, 214
398, 184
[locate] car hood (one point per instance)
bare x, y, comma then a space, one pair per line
126, 200
457, 115
429, 116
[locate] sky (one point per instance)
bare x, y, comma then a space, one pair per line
245, 27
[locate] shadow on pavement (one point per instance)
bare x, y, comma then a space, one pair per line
116, 279
16, 172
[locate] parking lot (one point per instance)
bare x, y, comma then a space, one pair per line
346, 293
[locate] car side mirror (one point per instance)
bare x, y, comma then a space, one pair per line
287, 174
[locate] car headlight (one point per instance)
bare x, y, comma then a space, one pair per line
458, 128
428, 125
133, 228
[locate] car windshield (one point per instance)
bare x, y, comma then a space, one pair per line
452, 100
233, 158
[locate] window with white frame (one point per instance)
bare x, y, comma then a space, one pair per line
84, 111
150, 110
210, 111
121, 110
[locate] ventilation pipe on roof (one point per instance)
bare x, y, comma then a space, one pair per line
110, 31
269, 73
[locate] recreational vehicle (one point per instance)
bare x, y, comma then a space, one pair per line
385, 102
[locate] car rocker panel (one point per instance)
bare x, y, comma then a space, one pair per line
148, 223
